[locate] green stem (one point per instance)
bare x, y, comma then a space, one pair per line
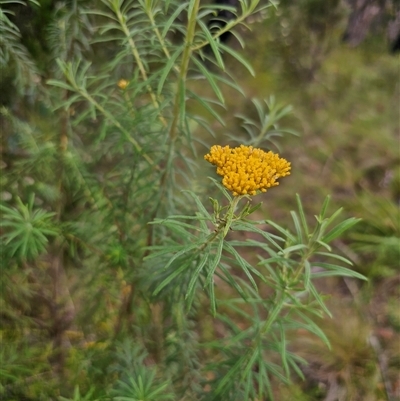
231, 213
300, 268
172, 133
210, 239
139, 62
223, 228
191, 28
159, 37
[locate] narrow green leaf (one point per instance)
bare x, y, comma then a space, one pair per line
293, 248
210, 79
297, 226
339, 271
216, 260
232, 84
167, 69
195, 275
326, 246
252, 209
312, 327
60, 84
250, 363
239, 58
186, 264
232, 282
339, 229
334, 256
325, 206
221, 188
245, 226
212, 297
242, 263
183, 251
204, 102
295, 367
172, 18
275, 370
286, 233
199, 204
283, 350
318, 298
307, 274
230, 375
213, 44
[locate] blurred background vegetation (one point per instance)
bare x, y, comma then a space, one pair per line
345, 109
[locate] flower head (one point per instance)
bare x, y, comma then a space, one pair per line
246, 170
123, 83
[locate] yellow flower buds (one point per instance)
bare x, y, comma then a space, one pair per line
246, 170
122, 84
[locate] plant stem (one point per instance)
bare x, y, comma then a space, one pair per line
190, 33
159, 37
139, 62
302, 263
230, 213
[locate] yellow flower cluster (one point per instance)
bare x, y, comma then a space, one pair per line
123, 83
246, 170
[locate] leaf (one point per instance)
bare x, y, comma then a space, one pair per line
212, 297
210, 79
230, 375
293, 248
221, 188
232, 282
307, 274
324, 206
213, 44
204, 102
194, 278
312, 327
334, 256
174, 16
339, 229
297, 226
318, 298
167, 69
338, 271
60, 84
283, 350
249, 365
239, 58
199, 204
250, 227
302, 215
286, 233
172, 276
243, 264
180, 253
216, 260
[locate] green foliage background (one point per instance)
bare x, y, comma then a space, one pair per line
103, 290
